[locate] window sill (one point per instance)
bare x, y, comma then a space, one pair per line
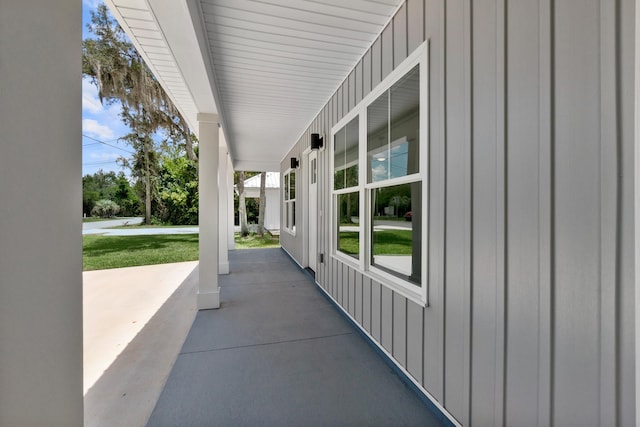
392, 282
398, 285
346, 259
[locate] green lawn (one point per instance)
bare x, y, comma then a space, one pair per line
252, 241
103, 252
392, 242
385, 242
349, 243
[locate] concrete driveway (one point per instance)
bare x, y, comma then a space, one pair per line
135, 231
117, 222
105, 228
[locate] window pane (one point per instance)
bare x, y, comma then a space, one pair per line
287, 222
351, 153
405, 125
393, 125
338, 158
345, 158
286, 187
378, 139
348, 223
396, 233
293, 215
314, 171
292, 185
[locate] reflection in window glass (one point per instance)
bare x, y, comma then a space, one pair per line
393, 124
293, 215
396, 230
286, 187
287, 217
348, 224
289, 201
338, 159
398, 158
404, 117
292, 185
345, 159
377, 139
314, 171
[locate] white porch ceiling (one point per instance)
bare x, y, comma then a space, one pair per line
267, 67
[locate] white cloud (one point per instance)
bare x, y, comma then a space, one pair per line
90, 100
96, 130
379, 172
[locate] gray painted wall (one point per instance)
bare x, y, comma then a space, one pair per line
40, 202
531, 317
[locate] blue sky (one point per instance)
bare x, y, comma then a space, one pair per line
99, 123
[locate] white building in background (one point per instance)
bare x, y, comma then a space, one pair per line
272, 189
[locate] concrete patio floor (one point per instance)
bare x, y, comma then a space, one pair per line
135, 322
277, 353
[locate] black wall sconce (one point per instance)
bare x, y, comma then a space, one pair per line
294, 163
317, 141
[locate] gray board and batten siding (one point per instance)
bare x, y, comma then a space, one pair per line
530, 236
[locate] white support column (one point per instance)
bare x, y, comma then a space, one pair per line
40, 217
231, 244
208, 289
223, 223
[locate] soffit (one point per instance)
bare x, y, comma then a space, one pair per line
267, 66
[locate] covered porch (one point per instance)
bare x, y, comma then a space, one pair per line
279, 353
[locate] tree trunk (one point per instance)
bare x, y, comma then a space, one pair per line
147, 202
242, 205
147, 191
263, 203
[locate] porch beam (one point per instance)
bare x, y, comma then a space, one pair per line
208, 288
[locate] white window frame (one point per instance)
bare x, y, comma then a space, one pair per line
418, 294
288, 210
359, 262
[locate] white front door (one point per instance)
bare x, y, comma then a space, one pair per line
313, 210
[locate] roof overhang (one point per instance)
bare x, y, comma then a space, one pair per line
265, 67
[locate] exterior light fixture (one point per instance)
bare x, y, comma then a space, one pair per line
316, 141
294, 163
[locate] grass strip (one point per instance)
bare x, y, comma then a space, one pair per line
104, 252
252, 241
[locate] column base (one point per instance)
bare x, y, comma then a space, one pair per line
223, 268
209, 300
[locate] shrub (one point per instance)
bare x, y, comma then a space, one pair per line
105, 208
